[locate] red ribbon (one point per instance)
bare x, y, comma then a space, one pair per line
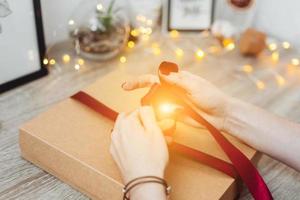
241, 165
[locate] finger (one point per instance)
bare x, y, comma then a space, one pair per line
140, 82
118, 122
148, 118
178, 79
116, 157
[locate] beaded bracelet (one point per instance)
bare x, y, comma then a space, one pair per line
142, 180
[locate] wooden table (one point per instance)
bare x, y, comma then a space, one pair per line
21, 180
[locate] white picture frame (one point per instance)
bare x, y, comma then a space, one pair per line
188, 15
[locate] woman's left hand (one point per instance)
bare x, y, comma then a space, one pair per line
138, 145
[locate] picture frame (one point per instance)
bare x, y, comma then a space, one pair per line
195, 16
16, 67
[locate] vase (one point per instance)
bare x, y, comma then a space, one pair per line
99, 29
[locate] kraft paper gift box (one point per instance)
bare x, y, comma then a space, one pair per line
71, 141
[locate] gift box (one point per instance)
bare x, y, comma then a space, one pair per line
71, 141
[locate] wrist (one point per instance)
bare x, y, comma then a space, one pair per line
232, 109
148, 191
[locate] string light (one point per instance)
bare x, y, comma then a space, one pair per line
260, 85
248, 69
156, 51
228, 43
66, 58
295, 61
200, 54
71, 22
275, 56
286, 45
99, 7
45, 61
77, 67
134, 32
80, 61
174, 34
123, 59
149, 22
272, 46
130, 44
179, 52
52, 62
280, 80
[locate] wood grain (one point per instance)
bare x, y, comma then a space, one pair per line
21, 180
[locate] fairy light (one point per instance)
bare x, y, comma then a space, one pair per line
148, 31
134, 32
123, 59
286, 45
295, 62
167, 108
77, 67
66, 58
80, 61
156, 51
149, 22
228, 44
248, 69
99, 7
179, 52
260, 85
130, 44
280, 80
52, 62
275, 56
71, 22
272, 46
45, 61
200, 54
174, 34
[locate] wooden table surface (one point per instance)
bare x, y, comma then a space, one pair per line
20, 179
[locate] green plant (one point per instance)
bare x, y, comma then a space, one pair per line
106, 18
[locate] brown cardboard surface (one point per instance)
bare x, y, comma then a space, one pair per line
71, 141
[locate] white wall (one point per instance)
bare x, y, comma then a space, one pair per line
279, 18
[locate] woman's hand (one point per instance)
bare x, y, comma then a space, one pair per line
138, 145
212, 104
139, 149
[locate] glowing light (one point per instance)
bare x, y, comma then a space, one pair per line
286, 45
77, 66
66, 58
148, 31
272, 46
260, 85
179, 52
45, 61
130, 44
248, 69
295, 61
200, 54
228, 43
174, 34
275, 56
149, 22
167, 108
134, 32
156, 51
280, 80
123, 59
71, 22
52, 62
80, 61
99, 7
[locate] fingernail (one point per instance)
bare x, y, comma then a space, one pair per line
124, 85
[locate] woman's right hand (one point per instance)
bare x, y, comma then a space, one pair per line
212, 104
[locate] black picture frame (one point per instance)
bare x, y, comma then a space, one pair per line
42, 51
187, 30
